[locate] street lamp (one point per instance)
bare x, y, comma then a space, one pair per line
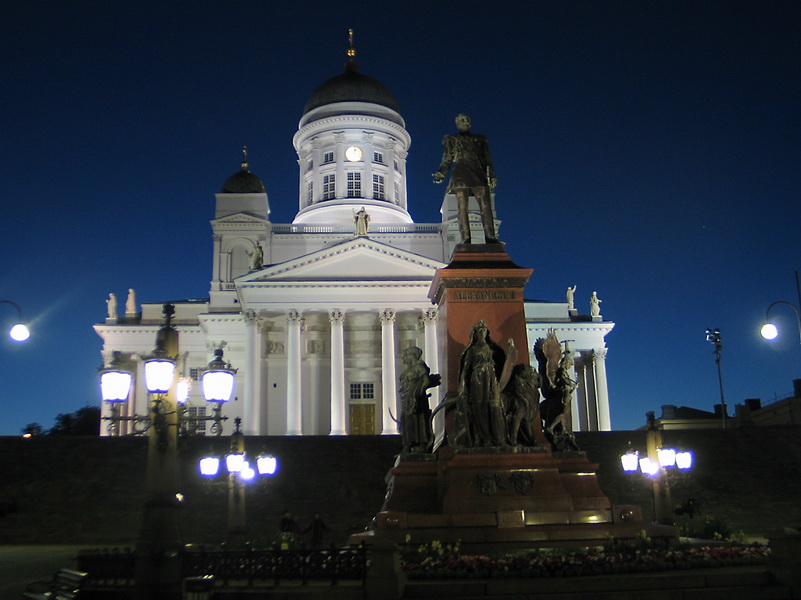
217, 382
656, 463
159, 542
115, 387
240, 471
713, 337
769, 331
19, 332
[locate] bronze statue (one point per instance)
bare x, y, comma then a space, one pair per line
556, 369
522, 401
472, 174
415, 414
481, 369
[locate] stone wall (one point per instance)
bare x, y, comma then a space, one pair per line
91, 490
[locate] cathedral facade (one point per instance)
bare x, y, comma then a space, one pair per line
314, 314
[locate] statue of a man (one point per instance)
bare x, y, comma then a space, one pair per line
472, 175
569, 295
111, 304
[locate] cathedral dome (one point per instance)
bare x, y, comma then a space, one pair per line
243, 181
351, 86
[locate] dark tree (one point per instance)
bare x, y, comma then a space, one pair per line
33, 429
84, 421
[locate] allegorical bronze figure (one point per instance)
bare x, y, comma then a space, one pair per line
415, 415
472, 175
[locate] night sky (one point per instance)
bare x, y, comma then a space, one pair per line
648, 150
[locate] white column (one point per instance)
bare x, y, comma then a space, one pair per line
601, 390
294, 398
578, 409
431, 356
252, 400
389, 394
337, 319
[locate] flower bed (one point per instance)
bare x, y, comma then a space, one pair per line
435, 561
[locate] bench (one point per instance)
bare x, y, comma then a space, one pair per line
65, 585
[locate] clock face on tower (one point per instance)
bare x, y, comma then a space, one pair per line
353, 153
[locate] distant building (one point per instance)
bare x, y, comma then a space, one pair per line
314, 313
784, 411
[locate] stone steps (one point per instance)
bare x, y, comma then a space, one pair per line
736, 583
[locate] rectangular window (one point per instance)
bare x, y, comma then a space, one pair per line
329, 187
362, 391
309, 166
397, 193
194, 373
397, 166
197, 426
328, 157
378, 187
378, 158
310, 192
354, 185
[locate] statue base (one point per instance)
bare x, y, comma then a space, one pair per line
502, 499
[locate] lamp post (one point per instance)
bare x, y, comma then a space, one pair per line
240, 472
655, 465
713, 337
769, 330
19, 332
157, 550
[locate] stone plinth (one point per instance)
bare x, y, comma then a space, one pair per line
480, 283
488, 498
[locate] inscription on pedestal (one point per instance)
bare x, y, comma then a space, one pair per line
483, 295
511, 518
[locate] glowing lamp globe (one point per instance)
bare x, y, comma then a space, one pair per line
246, 473
159, 375
19, 333
629, 461
218, 380
684, 460
182, 389
266, 465
234, 462
769, 331
649, 467
209, 466
666, 456
115, 385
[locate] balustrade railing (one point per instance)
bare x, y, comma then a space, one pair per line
115, 567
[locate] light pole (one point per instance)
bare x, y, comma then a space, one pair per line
713, 336
240, 472
655, 465
19, 332
158, 565
769, 330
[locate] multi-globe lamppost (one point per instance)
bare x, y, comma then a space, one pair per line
216, 381
19, 332
655, 465
769, 330
240, 473
159, 543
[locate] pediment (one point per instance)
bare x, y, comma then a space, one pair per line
238, 219
360, 259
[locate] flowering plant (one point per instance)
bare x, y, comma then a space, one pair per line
433, 560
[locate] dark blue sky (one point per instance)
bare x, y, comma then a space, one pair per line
646, 150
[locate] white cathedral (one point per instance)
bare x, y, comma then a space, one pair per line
314, 314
